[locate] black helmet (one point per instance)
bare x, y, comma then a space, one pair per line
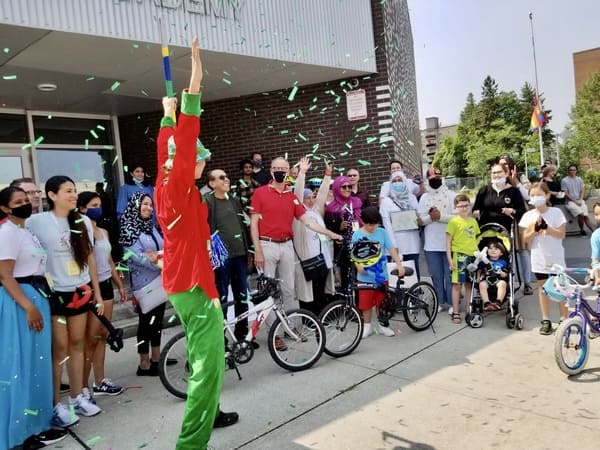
265, 287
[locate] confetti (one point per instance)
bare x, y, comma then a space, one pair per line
226, 81
31, 412
39, 140
89, 78
62, 320
293, 93
86, 144
6, 50
93, 440
362, 162
100, 127
115, 85
93, 133
139, 343
172, 318
344, 153
63, 361
172, 224
371, 139
9, 77
152, 320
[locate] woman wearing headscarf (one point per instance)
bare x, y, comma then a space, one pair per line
342, 216
400, 199
137, 182
308, 244
142, 243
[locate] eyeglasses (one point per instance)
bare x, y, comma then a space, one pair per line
346, 186
353, 175
33, 192
222, 177
463, 206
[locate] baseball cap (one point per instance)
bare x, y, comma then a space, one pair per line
433, 172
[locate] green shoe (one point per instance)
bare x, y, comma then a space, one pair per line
546, 327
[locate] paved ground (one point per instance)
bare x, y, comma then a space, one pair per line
458, 388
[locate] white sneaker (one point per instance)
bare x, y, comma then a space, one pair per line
450, 311
84, 407
87, 395
388, 332
367, 331
62, 417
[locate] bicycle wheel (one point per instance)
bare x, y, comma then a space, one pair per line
297, 354
571, 346
421, 304
343, 328
174, 376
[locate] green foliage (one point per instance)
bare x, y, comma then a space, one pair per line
585, 114
591, 178
496, 125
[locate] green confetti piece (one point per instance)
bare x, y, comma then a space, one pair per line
284, 132
86, 144
313, 107
226, 81
292, 405
89, 78
315, 147
348, 144
39, 140
100, 127
363, 128
76, 231
371, 139
411, 143
293, 93
78, 220
344, 153
301, 136
115, 160
9, 77
62, 320
115, 85
290, 116
362, 162
93, 440
6, 50
143, 445
172, 318
31, 412
144, 93
25, 147
226, 73
93, 133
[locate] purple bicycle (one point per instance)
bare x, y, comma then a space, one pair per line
572, 341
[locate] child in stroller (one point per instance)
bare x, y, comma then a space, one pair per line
493, 273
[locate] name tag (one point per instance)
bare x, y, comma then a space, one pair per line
73, 269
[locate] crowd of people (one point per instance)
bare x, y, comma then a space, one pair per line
57, 272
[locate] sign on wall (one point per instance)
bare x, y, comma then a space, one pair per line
356, 104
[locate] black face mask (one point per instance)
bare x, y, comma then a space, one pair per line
22, 212
279, 176
435, 183
257, 164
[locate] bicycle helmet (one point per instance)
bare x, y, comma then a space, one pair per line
558, 288
365, 252
265, 287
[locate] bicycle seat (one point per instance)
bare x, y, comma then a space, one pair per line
408, 271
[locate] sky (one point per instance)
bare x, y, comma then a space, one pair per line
458, 42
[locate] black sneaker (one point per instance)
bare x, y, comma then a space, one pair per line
224, 419
45, 438
107, 387
546, 327
583, 233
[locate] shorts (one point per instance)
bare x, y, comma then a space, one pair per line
461, 273
543, 276
106, 290
367, 298
59, 301
577, 210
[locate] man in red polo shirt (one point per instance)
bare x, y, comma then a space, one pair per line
273, 210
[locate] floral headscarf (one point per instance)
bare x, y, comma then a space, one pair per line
132, 223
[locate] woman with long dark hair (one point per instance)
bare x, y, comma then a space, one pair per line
142, 243
90, 204
66, 236
25, 331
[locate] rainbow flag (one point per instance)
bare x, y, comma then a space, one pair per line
538, 118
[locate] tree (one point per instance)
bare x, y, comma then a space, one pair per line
585, 116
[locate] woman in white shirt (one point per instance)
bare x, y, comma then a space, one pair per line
405, 236
25, 332
66, 236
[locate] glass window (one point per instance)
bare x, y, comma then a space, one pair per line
10, 169
72, 130
13, 128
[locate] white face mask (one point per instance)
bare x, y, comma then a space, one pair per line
537, 200
498, 181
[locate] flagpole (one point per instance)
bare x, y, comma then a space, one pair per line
537, 97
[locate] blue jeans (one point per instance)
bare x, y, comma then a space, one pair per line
235, 272
524, 257
440, 275
414, 257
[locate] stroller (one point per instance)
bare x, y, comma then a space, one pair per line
494, 233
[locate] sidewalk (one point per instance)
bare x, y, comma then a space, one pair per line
458, 388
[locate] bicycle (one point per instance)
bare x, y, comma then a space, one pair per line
571, 344
296, 339
417, 303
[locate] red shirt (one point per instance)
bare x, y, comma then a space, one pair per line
277, 209
182, 215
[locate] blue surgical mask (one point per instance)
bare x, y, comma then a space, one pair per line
94, 214
398, 186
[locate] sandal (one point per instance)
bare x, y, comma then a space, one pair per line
497, 305
488, 306
456, 318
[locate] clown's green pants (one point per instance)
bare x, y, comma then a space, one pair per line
203, 325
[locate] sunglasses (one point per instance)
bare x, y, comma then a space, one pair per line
346, 186
222, 177
352, 175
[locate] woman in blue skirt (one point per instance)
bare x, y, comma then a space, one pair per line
25, 330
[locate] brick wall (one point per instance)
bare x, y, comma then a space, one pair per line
315, 123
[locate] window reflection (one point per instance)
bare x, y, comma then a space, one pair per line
10, 169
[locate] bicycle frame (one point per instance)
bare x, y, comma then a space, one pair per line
584, 311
